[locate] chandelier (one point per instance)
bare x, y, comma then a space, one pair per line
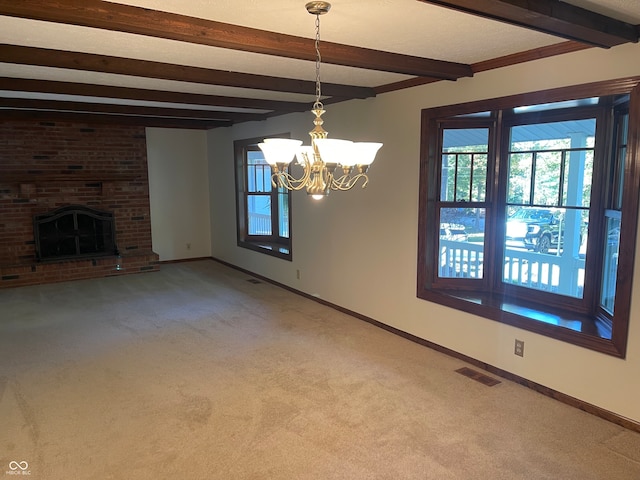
328, 163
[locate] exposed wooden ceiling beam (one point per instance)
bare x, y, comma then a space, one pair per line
107, 91
131, 110
530, 55
550, 16
500, 62
43, 115
125, 18
143, 68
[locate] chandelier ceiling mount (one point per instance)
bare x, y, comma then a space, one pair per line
318, 8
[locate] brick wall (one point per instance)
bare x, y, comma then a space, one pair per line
46, 165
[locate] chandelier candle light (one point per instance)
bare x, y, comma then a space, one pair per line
328, 163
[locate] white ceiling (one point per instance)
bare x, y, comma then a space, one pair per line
408, 27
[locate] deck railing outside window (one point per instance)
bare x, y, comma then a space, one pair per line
561, 274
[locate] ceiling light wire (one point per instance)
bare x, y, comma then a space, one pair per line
318, 103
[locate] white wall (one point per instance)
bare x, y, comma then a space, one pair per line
179, 193
358, 249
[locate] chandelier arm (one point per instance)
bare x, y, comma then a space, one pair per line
282, 178
291, 183
275, 176
347, 177
276, 181
329, 178
347, 182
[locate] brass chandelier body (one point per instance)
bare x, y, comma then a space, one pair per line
328, 164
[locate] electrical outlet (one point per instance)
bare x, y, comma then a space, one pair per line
519, 349
188, 246
298, 274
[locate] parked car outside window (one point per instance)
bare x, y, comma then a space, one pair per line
537, 229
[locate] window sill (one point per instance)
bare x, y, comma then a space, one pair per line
582, 330
268, 248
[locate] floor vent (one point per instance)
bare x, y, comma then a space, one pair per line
253, 280
477, 376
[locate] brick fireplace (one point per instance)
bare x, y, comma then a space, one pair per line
45, 166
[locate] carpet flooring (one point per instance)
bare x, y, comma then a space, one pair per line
197, 373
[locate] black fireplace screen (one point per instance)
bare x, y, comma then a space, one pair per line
74, 231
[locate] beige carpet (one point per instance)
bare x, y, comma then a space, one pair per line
196, 373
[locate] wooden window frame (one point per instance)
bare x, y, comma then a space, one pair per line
274, 244
510, 306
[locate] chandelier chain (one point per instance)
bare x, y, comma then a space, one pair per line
318, 103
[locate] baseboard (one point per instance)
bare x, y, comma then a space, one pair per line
184, 260
549, 392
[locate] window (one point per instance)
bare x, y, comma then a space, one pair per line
263, 211
525, 207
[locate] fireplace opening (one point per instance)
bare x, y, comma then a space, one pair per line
74, 231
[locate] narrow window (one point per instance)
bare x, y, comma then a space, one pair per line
613, 210
263, 211
461, 206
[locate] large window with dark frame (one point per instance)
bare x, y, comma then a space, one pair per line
263, 211
528, 203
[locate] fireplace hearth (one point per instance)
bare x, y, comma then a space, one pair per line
74, 231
